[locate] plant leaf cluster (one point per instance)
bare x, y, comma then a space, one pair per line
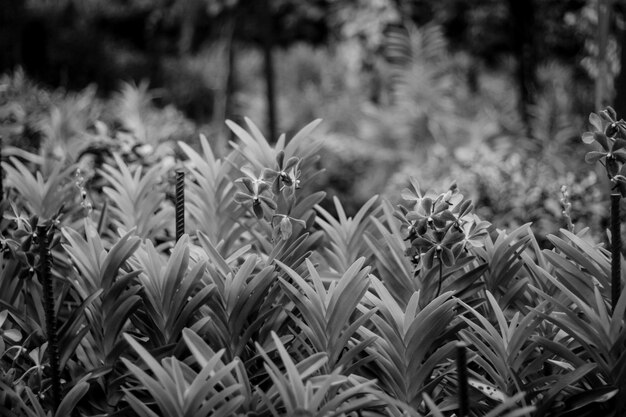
272, 305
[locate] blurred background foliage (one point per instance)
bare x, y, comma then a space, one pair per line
491, 94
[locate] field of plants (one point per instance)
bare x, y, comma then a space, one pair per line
437, 232
150, 271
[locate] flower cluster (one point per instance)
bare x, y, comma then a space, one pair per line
272, 193
439, 228
610, 134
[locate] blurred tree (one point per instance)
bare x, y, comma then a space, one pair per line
522, 18
267, 22
133, 39
12, 14
620, 82
604, 13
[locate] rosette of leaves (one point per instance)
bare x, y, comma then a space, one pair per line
105, 285
410, 342
137, 198
176, 389
328, 319
209, 199
44, 197
346, 241
386, 241
172, 291
304, 389
240, 304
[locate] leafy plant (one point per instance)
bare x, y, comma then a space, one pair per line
41, 197
274, 306
210, 203
392, 267
178, 390
346, 235
410, 343
328, 318
237, 307
172, 291
510, 360
30, 405
137, 199
590, 337
297, 391
110, 296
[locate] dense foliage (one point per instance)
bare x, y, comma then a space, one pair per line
406, 88
273, 304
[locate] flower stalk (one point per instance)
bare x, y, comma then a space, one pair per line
616, 249
1, 174
610, 134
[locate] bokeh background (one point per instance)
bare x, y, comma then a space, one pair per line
491, 94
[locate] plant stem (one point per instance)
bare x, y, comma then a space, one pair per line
1, 174
440, 278
616, 249
51, 321
180, 204
102, 218
461, 372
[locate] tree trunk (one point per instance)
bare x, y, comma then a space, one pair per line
12, 14
602, 96
620, 83
268, 40
229, 35
230, 110
522, 14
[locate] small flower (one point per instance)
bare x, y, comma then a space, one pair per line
257, 193
452, 197
433, 214
463, 210
606, 122
612, 152
286, 174
474, 232
283, 226
439, 245
618, 181
609, 133
414, 195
